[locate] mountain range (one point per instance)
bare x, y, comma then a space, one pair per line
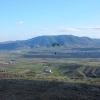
47, 41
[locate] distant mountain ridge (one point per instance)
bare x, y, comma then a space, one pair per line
46, 41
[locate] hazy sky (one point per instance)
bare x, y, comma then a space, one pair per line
24, 19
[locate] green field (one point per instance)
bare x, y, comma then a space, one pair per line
39, 74
67, 65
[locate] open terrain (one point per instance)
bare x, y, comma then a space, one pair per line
50, 76
47, 90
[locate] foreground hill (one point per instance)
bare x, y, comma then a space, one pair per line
46, 41
47, 90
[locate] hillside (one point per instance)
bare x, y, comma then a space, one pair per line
46, 41
47, 90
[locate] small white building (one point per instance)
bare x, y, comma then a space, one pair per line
48, 72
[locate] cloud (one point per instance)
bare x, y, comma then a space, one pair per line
19, 23
89, 28
77, 29
65, 29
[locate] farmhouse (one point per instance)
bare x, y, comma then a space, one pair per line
47, 72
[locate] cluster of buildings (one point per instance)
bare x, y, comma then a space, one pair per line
46, 71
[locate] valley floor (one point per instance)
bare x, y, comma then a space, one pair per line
73, 73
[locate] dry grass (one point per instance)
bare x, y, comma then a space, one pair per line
46, 90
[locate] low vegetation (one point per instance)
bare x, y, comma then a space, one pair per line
46, 90
49, 76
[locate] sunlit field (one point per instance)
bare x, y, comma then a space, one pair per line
66, 65
40, 74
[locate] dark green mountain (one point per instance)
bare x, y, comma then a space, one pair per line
46, 41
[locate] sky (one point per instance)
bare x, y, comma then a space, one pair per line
25, 19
